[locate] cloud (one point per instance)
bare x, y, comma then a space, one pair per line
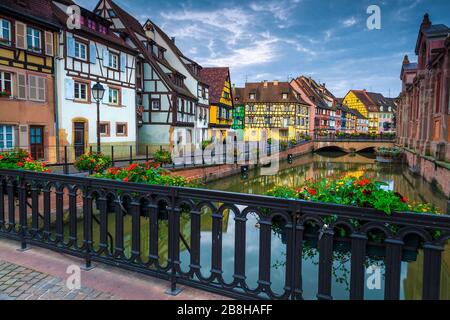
349, 22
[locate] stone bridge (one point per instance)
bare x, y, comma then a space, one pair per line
352, 145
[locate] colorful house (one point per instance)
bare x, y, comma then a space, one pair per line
274, 105
95, 53
361, 101
28, 45
238, 112
321, 103
220, 98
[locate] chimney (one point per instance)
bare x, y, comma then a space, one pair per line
275, 82
265, 83
173, 39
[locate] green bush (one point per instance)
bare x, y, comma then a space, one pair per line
162, 157
93, 162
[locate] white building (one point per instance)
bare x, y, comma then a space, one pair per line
168, 87
94, 53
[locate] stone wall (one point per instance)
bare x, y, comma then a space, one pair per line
432, 171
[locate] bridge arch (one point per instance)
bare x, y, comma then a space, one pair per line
351, 146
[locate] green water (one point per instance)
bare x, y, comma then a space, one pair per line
307, 167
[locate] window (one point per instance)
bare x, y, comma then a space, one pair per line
285, 96
33, 39
226, 95
5, 32
113, 61
81, 91
156, 104
102, 29
80, 50
114, 96
121, 129
252, 96
36, 88
6, 83
92, 25
104, 129
6, 137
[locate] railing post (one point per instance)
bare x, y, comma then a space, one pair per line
432, 271
325, 264
358, 253
87, 226
174, 245
131, 154
22, 213
146, 154
112, 156
66, 165
393, 264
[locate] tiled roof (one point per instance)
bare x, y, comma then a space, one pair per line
357, 114
215, 78
437, 29
320, 95
362, 95
238, 96
42, 10
271, 93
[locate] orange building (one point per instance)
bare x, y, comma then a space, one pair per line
28, 40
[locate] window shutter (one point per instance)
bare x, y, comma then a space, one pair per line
32, 88
48, 43
21, 86
106, 95
70, 46
105, 58
123, 62
41, 88
92, 53
21, 35
69, 87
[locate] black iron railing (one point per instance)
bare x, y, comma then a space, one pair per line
61, 218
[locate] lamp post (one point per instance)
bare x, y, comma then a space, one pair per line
97, 92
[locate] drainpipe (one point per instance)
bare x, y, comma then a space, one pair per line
56, 101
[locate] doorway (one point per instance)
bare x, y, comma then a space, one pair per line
79, 138
37, 142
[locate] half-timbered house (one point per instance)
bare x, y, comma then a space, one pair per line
28, 37
92, 53
172, 103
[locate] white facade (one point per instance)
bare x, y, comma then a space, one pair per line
83, 62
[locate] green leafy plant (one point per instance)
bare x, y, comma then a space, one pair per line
93, 162
149, 173
162, 157
21, 160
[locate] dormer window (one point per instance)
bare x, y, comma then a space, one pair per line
252, 96
285, 96
92, 25
102, 29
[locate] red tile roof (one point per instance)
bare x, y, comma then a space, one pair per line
40, 9
215, 78
362, 95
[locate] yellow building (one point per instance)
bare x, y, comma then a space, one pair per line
220, 99
28, 44
361, 101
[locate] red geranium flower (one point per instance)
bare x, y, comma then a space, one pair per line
312, 192
363, 182
404, 200
20, 164
125, 179
1, 157
131, 167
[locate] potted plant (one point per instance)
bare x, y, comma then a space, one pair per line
93, 162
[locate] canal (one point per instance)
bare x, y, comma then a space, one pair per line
310, 166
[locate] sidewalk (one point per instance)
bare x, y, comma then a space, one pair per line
41, 274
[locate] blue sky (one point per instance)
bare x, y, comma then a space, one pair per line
276, 39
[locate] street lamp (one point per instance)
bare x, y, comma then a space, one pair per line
97, 92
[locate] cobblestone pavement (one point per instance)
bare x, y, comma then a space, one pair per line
21, 283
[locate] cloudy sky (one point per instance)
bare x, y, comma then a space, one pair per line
280, 39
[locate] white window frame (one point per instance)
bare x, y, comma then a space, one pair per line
9, 40
79, 98
2, 81
79, 45
37, 49
113, 62
3, 136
